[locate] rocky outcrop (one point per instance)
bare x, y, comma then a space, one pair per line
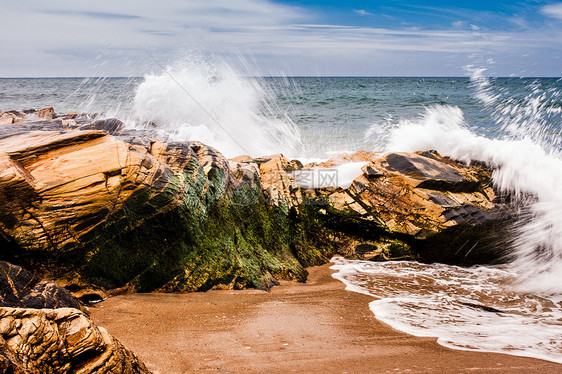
87, 208
43, 330
20, 288
420, 206
89, 203
60, 341
13, 116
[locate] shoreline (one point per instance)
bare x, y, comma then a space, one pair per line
317, 326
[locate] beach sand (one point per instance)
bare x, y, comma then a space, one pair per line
316, 327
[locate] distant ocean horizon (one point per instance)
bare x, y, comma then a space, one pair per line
467, 76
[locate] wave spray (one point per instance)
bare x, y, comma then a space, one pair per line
210, 102
526, 156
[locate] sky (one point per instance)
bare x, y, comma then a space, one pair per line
282, 37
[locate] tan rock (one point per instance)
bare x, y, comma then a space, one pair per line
127, 208
61, 341
6, 118
46, 113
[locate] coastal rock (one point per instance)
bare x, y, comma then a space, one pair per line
60, 341
42, 330
419, 206
6, 118
95, 206
416, 194
27, 115
84, 207
20, 288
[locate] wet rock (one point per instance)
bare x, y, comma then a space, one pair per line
110, 125
83, 207
6, 118
419, 206
483, 307
88, 203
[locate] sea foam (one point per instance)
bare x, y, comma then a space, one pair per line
210, 102
526, 162
465, 308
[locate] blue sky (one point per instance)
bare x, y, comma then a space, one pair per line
282, 37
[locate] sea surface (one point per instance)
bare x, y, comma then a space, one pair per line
514, 124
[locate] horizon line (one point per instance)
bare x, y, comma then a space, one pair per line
295, 76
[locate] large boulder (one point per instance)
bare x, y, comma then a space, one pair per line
43, 330
84, 207
410, 206
60, 341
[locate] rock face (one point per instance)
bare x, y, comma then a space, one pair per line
60, 341
420, 206
42, 330
20, 288
86, 207
85, 202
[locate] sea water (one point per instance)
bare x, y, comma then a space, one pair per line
513, 124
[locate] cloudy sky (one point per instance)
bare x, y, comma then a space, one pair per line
290, 37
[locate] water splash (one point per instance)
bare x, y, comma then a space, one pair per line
102, 96
207, 101
533, 113
527, 162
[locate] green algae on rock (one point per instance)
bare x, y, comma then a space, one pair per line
89, 204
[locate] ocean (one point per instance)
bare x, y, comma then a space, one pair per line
513, 124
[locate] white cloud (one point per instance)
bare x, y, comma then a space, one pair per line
553, 10
362, 12
70, 38
458, 24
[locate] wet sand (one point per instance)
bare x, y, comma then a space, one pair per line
316, 327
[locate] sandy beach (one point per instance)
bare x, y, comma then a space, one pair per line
312, 327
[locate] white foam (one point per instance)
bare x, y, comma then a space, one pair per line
348, 172
198, 99
427, 300
523, 166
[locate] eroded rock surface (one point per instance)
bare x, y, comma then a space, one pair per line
42, 341
404, 206
89, 203
85, 207
20, 288
43, 330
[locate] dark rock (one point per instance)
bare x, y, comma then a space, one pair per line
111, 125
483, 307
20, 288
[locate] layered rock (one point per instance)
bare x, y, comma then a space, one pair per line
60, 341
88, 203
85, 207
420, 206
13, 116
20, 288
43, 330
